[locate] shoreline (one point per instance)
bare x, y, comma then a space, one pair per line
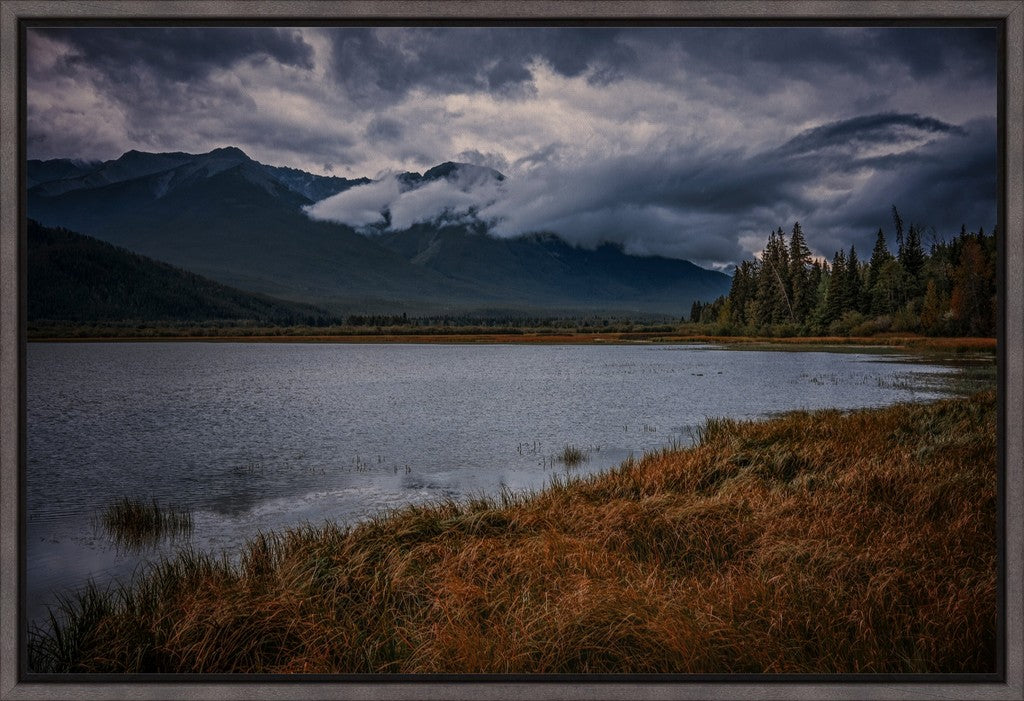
833, 529
554, 338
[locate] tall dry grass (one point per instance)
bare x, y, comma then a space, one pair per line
571, 456
813, 543
138, 524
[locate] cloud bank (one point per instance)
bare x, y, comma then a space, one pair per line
393, 204
716, 207
684, 141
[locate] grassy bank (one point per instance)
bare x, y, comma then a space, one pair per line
812, 543
522, 336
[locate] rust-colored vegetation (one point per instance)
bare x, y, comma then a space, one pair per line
682, 334
812, 543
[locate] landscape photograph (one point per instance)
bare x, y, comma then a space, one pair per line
383, 349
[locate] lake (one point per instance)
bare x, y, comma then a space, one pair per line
261, 436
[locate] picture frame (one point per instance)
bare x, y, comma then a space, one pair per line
1009, 684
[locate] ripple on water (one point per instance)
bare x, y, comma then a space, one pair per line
253, 437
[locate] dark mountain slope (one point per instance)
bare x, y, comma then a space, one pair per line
529, 268
313, 187
242, 223
241, 227
58, 169
449, 170
133, 164
57, 176
75, 278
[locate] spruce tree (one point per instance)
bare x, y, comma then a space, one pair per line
854, 291
879, 256
815, 277
912, 257
773, 305
890, 290
741, 294
836, 296
695, 311
801, 290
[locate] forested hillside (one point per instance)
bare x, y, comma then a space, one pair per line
949, 290
75, 278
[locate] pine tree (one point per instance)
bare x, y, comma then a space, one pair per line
742, 293
949, 289
801, 290
695, 311
814, 278
854, 292
836, 296
889, 292
773, 303
817, 319
912, 257
879, 256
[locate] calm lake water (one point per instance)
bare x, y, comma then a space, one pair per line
254, 437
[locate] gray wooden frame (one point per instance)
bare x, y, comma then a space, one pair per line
11, 11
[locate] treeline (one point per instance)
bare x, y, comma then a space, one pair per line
511, 322
950, 290
44, 329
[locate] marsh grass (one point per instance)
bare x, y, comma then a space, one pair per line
137, 524
825, 542
571, 456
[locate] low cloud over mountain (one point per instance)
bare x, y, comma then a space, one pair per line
684, 141
254, 226
710, 207
450, 193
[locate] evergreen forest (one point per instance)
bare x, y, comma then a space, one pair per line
947, 290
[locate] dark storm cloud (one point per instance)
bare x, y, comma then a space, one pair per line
698, 205
684, 141
941, 185
494, 161
743, 55
179, 54
380, 66
177, 89
725, 181
507, 73
848, 134
539, 157
931, 52
383, 129
261, 131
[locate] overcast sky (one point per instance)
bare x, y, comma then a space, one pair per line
687, 142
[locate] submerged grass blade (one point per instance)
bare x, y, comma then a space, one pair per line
136, 524
571, 456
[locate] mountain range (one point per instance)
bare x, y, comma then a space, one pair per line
241, 223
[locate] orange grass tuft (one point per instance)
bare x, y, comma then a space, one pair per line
811, 543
